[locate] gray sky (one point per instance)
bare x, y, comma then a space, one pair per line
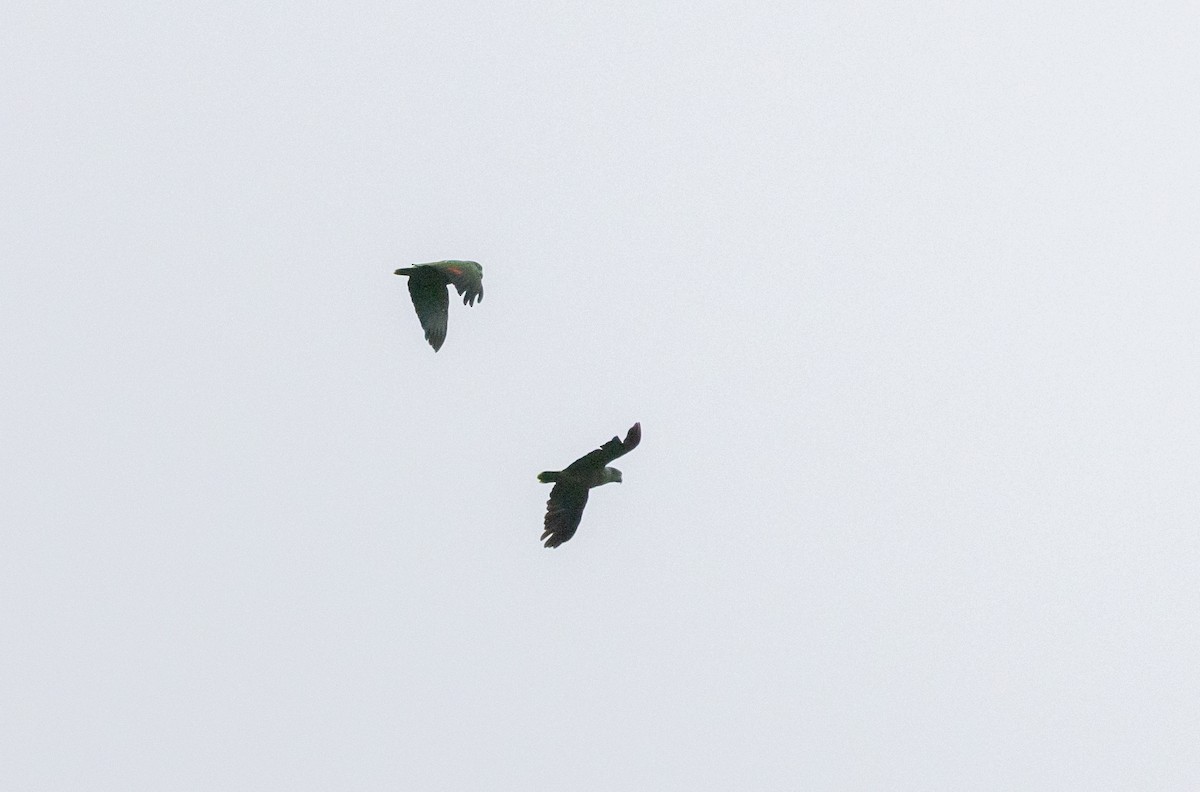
904, 295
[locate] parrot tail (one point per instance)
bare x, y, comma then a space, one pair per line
548, 476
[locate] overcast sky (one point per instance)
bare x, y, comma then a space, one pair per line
904, 296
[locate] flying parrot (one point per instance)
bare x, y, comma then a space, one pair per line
427, 286
569, 495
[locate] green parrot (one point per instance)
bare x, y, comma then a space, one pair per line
427, 286
569, 495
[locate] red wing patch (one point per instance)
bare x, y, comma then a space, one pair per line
455, 270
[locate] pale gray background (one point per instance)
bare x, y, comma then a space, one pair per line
904, 295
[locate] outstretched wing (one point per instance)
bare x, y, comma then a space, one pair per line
609, 451
432, 301
564, 510
467, 277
